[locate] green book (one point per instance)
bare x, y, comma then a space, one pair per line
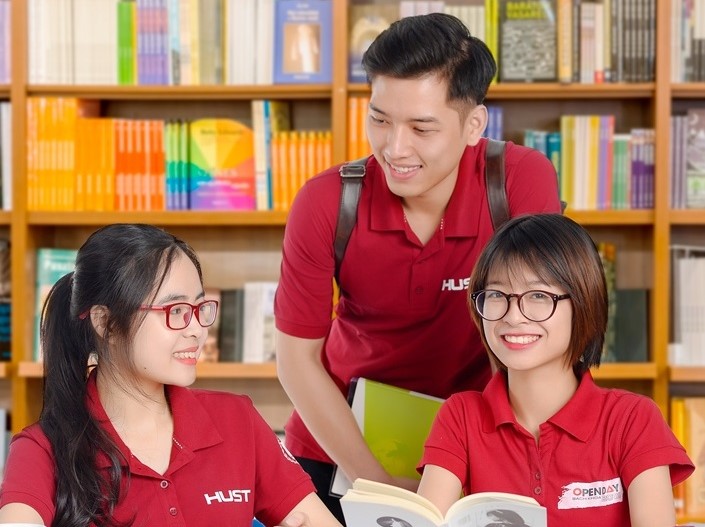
52, 264
394, 422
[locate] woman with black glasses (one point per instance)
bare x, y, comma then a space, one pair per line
125, 442
542, 428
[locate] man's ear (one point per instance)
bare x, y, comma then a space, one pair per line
99, 319
475, 124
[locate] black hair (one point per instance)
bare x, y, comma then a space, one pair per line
118, 267
561, 253
437, 43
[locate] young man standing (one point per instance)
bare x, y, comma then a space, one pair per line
423, 219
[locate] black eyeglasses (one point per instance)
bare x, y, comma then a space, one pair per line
178, 315
535, 305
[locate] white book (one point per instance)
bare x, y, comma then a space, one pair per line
258, 315
264, 42
6, 156
371, 503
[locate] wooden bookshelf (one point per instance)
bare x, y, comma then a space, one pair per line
646, 231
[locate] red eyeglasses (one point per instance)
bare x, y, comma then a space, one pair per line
178, 315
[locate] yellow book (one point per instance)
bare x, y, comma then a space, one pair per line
567, 157
372, 503
353, 126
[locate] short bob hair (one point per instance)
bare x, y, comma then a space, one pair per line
561, 253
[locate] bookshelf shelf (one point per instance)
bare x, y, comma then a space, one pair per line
5, 217
4, 370
30, 370
687, 373
626, 371
687, 217
612, 217
236, 370
690, 90
175, 218
215, 370
4, 91
214, 92
554, 90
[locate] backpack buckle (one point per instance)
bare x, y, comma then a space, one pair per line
352, 171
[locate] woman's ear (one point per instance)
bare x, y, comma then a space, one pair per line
475, 124
99, 319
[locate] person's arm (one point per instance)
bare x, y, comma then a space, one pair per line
310, 512
325, 411
651, 499
20, 513
440, 486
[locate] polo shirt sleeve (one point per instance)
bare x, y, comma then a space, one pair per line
648, 442
280, 482
304, 299
29, 474
447, 443
532, 182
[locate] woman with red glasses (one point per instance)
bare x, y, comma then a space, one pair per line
125, 442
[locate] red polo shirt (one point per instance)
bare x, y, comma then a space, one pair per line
402, 318
587, 454
226, 467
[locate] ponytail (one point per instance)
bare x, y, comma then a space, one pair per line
83, 496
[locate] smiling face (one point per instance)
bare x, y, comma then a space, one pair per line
166, 356
417, 137
519, 343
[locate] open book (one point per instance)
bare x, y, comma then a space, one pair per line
394, 423
370, 504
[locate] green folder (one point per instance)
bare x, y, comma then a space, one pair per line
394, 422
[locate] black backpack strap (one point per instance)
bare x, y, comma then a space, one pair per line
351, 175
495, 183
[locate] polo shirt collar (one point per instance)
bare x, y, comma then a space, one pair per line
584, 403
463, 211
194, 428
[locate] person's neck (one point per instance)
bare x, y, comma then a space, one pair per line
424, 213
133, 408
536, 396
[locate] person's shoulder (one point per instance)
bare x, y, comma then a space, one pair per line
516, 154
622, 403
222, 400
32, 434
469, 399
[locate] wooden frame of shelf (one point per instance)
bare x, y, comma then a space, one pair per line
205, 370
687, 373
191, 218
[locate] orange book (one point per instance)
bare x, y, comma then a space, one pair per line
363, 146
32, 153
158, 166
105, 182
291, 182
275, 156
122, 160
80, 166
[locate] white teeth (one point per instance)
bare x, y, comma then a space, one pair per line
521, 340
403, 170
185, 355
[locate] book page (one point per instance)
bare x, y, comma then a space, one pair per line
489, 512
374, 510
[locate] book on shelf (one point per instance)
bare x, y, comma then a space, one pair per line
373, 503
258, 322
366, 22
222, 165
688, 425
631, 325
211, 348
695, 159
52, 264
527, 40
6, 155
394, 422
230, 331
303, 42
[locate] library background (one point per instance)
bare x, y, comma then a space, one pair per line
206, 116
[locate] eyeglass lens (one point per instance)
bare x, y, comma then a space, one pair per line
180, 314
534, 305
